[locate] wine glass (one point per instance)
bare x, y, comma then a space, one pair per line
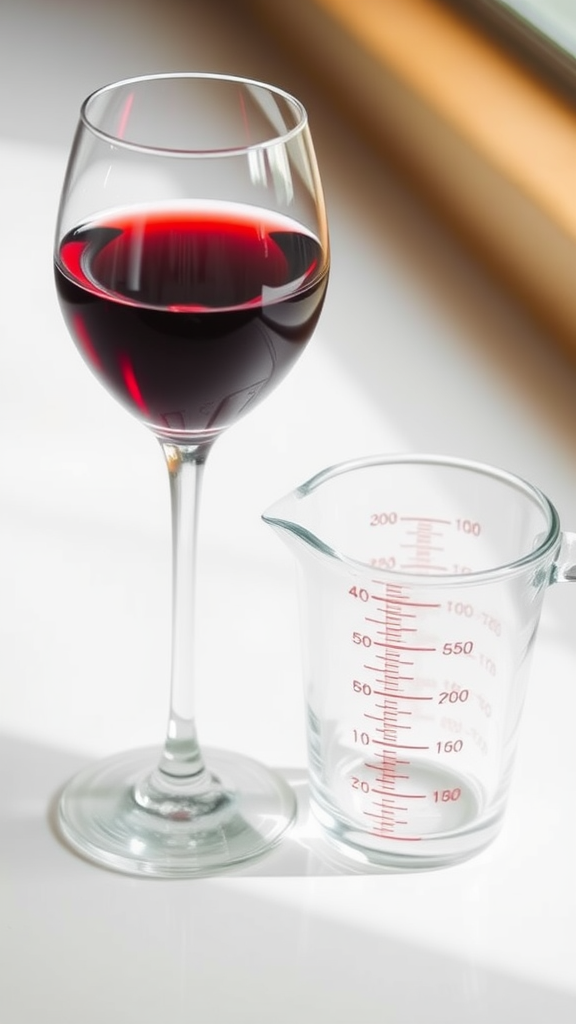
191, 263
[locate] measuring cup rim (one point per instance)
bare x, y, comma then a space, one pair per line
551, 538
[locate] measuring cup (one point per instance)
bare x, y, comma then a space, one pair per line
422, 580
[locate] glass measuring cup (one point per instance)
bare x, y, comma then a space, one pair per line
422, 580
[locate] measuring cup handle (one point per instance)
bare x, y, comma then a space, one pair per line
564, 568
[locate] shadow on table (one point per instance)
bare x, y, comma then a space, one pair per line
31, 777
337, 969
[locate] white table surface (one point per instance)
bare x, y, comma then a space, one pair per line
416, 350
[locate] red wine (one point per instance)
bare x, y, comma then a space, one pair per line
188, 315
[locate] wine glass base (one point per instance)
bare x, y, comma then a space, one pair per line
99, 817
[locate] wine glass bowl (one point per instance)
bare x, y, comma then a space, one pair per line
191, 263
178, 201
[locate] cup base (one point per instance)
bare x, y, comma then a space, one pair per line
100, 819
427, 853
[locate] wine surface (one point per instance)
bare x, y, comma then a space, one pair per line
190, 315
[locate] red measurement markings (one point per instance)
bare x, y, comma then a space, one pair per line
391, 814
403, 746
401, 647
388, 767
391, 710
423, 546
393, 625
399, 696
390, 719
404, 603
425, 519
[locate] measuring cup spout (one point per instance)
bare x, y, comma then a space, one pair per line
289, 519
322, 516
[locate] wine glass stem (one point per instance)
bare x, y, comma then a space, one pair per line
181, 757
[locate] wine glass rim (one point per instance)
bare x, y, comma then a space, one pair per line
281, 137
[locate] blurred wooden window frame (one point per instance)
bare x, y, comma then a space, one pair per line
490, 141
